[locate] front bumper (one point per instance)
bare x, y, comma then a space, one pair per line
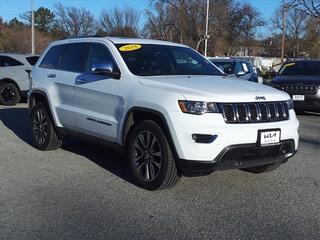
183, 126
240, 156
311, 103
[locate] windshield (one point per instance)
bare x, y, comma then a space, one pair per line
310, 68
227, 67
155, 60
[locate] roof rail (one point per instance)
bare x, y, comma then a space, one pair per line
85, 36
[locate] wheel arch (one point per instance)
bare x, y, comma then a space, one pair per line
137, 114
10, 80
37, 96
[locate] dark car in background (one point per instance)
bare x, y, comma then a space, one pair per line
301, 80
236, 68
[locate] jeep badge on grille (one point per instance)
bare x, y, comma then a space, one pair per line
260, 98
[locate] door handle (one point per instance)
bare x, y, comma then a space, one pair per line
81, 81
51, 75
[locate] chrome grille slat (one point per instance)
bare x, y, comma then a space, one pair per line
276, 111
254, 112
248, 113
300, 89
258, 112
237, 112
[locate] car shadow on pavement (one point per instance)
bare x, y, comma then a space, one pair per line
307, 113
18, 121
309, 141
104, 156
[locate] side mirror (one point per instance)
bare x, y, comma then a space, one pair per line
105, 68
241, 73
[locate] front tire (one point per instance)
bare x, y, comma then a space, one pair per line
9, 94
44, 135
150, 157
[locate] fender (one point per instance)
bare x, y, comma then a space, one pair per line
31, 103
156, 113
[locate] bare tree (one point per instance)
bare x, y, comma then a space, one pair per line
296, 28
231, 23
75, 21
311, 7
296, 22
177, 20
121, 23
312, 38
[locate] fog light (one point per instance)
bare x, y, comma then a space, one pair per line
204, 138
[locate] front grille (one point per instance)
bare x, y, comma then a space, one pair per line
300, 89
254, 112
245, 155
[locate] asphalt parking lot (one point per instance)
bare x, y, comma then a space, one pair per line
84, 191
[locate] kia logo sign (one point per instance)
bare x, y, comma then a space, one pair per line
270, 135
260, 98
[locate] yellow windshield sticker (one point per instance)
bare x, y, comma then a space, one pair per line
290, 64
130, 47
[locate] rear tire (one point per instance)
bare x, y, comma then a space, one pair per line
9, 94
44, 135
262, 169
150, 157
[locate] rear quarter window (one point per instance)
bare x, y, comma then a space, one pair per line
6, 61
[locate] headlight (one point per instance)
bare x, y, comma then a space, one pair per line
290, 104
198, 107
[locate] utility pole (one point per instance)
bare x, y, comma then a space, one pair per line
284, 9
32, 28
206, 36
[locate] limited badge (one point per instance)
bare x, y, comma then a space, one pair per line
130, 47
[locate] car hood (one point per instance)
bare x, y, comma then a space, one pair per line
299, 80
215, 88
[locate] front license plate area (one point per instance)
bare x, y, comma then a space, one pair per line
269, 137
298, 97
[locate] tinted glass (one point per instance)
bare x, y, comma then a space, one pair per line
74, 57
32, 60
228, 67
52, 58
300, 68
97, 53
245, 67
154, 60
9, 62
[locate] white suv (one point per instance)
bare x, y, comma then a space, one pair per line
169, 108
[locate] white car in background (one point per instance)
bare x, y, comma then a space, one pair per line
14, 80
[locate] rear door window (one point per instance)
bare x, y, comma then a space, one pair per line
74, 57
52, 58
